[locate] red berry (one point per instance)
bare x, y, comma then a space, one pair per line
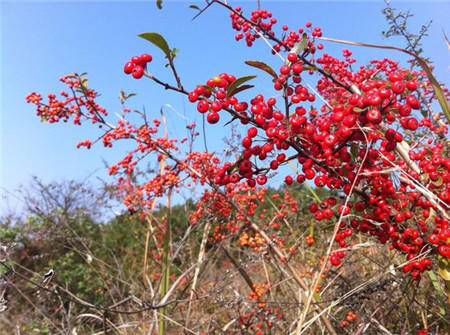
247, 142
394, 77
404, 110
261, 179
274, 165
203, 106
288, 180
138, 72
411, 85
193, 96
285, 69
412, 124
390, 134
128, 68
271, 102
213, 117
145, 58
297, 68
136, 60
444, 250
433, 239
398, 87
292, 57
252, 132
373, 116
216, 106
335, 261
413, 102
390, 146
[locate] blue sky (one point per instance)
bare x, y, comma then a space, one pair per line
40, 41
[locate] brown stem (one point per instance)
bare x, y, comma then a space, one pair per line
175, 73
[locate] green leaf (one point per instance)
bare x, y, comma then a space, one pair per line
309, 68
240, 89
84, 83
159, 4
208, 88
444, 273
194, 7
303, 43
158, 41
175, 52
238, 82
434, 280
359, 110
262, 66
317, 296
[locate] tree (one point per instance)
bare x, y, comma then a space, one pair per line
367, 135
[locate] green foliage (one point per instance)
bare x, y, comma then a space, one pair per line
262, 66
159, 41
237, 85
102, 262
8, 234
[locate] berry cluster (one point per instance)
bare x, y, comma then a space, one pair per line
69, 105
309, 240
214, 96
136, 65
255, 242
349, 318
356, 143
260, 24
357, 135
261, 20
336, 258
